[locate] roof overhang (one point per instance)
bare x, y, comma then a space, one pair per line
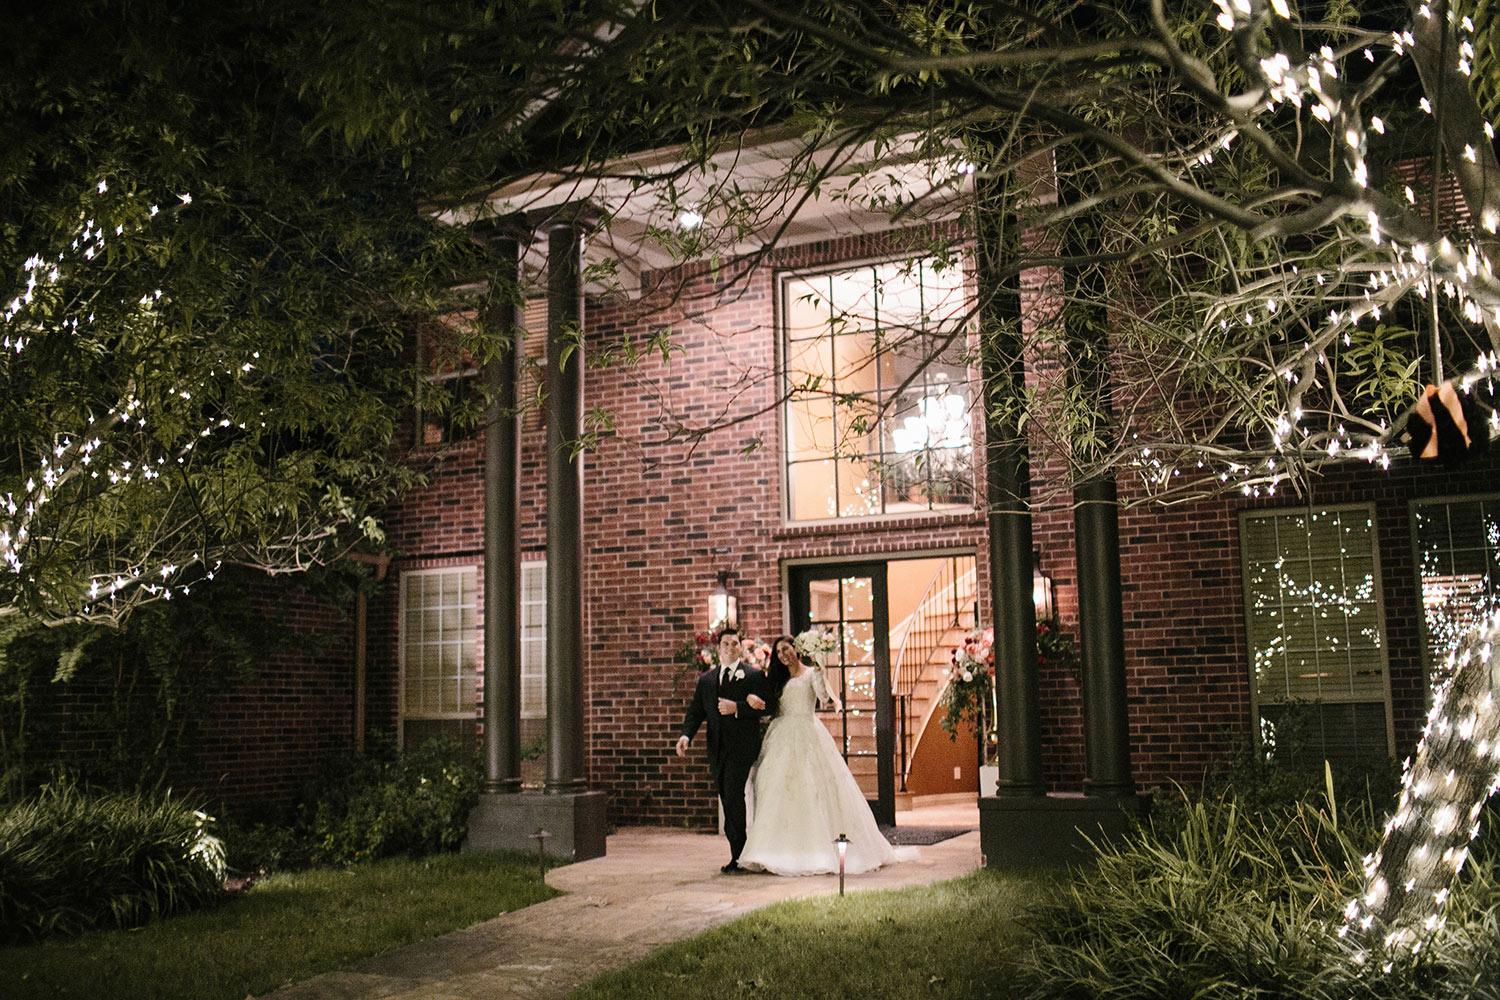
665, 208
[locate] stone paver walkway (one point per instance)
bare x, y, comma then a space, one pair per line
653, 887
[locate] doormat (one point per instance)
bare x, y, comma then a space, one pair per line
917, 836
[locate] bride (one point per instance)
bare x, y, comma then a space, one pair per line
805, 796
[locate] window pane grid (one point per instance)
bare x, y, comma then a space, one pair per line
1310, 591
438, 645
851, 338
1458, 555
534, 640
845, 608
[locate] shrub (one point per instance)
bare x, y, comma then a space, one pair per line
265, 847
1229, 903
1238, 889
377, 804
71, 860
1278, 777
1214, 907
413, 803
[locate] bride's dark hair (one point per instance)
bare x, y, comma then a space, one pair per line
778, 673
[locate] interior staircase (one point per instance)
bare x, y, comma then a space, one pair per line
921, 647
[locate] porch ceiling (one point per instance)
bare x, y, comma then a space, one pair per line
770, 189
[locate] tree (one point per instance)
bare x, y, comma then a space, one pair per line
1232, 182
203, 348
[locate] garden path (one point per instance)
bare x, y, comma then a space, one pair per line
653, 887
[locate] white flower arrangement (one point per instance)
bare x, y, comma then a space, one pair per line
814, 645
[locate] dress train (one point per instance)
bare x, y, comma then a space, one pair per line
804, 796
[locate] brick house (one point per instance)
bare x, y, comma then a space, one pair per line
1212, 640
1231, 606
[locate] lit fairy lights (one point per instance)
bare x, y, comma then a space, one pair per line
1455, 596
1456, 768
112, 464
1408, 879
1320, 307
1313, 629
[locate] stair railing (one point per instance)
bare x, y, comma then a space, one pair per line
938, 612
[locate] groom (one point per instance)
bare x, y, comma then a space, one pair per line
733, 732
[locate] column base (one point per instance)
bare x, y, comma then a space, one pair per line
575, 823
1043, 830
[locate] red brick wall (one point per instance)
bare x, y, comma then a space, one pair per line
261, 740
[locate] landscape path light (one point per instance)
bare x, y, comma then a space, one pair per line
541, 858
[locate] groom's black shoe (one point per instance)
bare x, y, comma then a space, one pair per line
733, 868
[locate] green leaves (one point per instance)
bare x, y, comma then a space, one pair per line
204, 381
71, 860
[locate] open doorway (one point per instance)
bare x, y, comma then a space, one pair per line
894, 622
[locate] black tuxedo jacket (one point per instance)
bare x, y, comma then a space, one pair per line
731, 738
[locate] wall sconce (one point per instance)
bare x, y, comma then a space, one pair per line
1041, 588
843, 845
723, 606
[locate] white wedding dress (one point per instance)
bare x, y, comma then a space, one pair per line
804, 795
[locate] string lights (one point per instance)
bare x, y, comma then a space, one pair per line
114, 464
1400, 254
1408, 880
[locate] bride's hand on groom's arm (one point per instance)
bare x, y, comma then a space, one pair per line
755, 701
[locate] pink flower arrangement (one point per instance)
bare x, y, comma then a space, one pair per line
756, 652
975, 657
707, 653
701, 652
971, 680
968, 698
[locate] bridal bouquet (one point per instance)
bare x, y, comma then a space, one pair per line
814, 645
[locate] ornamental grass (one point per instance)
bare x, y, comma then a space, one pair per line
72, 860
1221, 903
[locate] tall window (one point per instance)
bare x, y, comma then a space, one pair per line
1457, 542
534, 640
438, 669
1312, 609
877, 417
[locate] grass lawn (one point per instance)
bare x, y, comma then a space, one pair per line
956, 939
285, 929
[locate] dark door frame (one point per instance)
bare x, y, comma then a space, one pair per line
798, 578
